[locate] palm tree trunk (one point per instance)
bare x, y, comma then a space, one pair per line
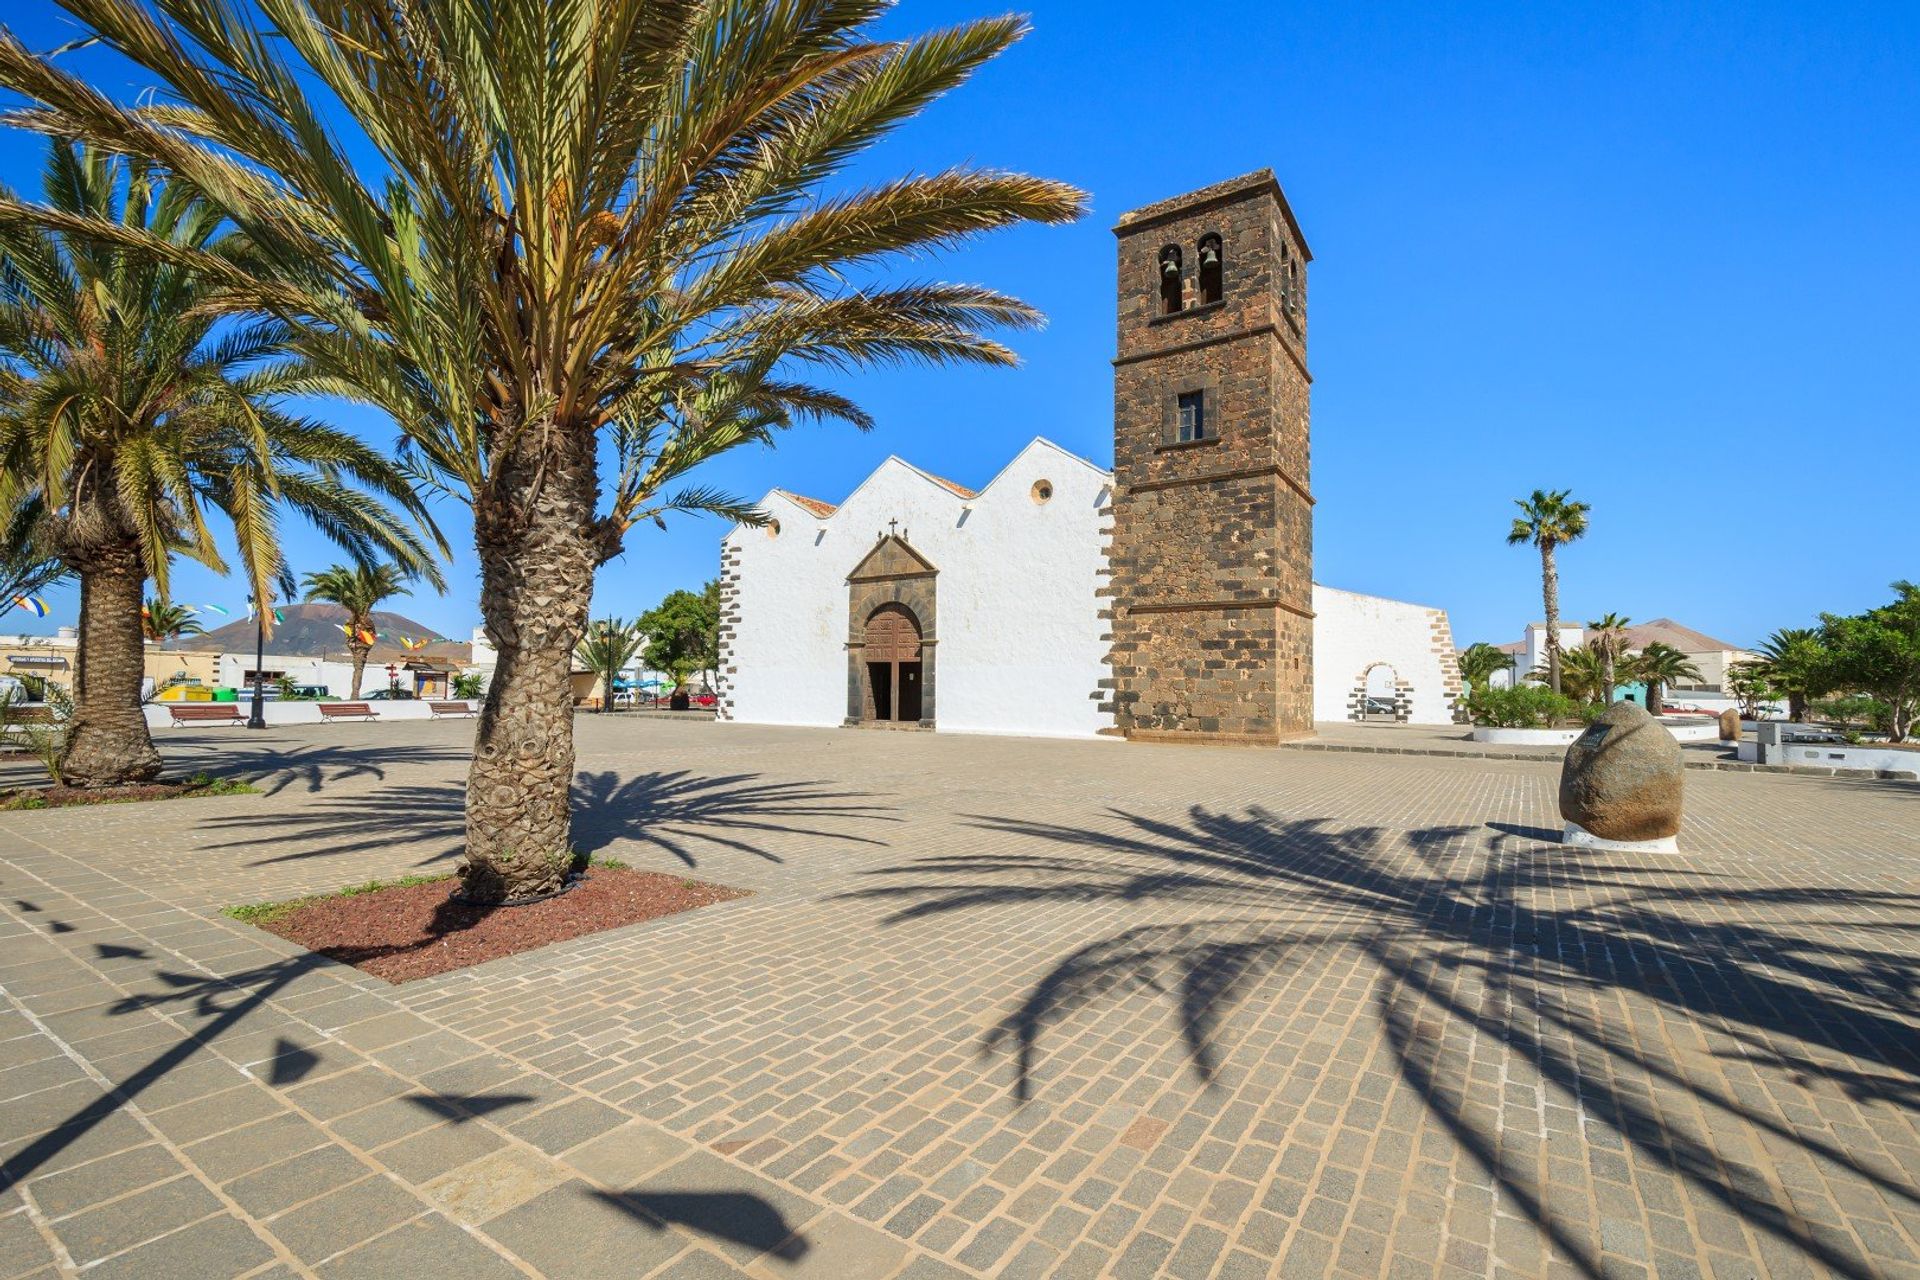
1550, 599
537, 557
1797, 707
359, 655
1656, 697
107, 739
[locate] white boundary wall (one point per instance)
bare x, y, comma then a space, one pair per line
1353, 633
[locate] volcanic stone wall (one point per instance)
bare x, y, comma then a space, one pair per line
1211, 552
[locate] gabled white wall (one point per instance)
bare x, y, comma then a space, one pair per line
1018, 624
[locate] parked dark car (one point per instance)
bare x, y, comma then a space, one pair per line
390, 695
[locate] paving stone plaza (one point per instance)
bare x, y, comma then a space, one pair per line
995, 1007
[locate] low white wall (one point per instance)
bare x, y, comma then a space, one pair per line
1696, 731
1353, 633
1841, 755
276, 712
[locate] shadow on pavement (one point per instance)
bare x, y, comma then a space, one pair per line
1525, 954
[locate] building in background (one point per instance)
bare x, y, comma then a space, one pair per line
1712, 656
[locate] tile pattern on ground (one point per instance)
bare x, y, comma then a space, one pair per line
997, 1007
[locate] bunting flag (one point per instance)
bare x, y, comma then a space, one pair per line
32, 604
345, 630
277, 617
214, 608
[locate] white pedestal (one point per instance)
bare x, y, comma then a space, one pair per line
1581, 838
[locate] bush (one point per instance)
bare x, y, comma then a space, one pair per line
1527, 706
1856, 708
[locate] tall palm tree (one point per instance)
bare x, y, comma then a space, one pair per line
1661, 666
1549, 520
1794, 657
358, 589
607, 648
1479, 661
162, 620
132, 415
593, 229
1608, 640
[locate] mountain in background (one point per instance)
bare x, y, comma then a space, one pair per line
313, 631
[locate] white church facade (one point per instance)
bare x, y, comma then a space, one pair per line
1167, 599
1011, 634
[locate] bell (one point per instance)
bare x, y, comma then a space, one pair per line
1170, 267
1208, 255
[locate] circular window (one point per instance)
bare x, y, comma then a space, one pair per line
773, 528
1042, 491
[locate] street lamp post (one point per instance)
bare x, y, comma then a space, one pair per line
258, 720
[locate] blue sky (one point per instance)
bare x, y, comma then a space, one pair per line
1664, 255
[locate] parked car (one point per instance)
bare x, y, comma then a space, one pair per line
390, 695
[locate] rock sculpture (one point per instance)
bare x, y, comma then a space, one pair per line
1621, 783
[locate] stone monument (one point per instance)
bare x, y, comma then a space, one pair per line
1620, 787
1730, 725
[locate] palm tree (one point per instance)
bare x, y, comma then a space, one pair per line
132, 415
358, 589
596, 224
1549, 520
29, 561
1793, 658
1478, 663
1609, 644
162, 620
606, 650
1661, 666
1581, 672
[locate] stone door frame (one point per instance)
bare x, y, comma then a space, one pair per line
892, 573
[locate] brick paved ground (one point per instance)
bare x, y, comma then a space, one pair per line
997, 1007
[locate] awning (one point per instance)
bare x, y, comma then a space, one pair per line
36, 660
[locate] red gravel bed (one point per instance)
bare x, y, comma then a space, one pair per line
415, 931
59, 797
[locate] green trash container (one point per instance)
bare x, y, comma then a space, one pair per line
226, 695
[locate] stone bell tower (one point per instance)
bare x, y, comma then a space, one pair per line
1211, 555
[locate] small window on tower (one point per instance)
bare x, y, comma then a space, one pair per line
1170, 285
1191, 416
1210, 270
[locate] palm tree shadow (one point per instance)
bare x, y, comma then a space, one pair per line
1533, 954
681, 813
678, 812
275, 767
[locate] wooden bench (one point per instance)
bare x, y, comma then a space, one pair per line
438, 709
205, 713
347, 711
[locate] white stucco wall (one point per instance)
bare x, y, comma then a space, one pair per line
1017, 622
1352, 633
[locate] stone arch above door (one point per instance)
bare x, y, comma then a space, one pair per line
891, 574
1381, 694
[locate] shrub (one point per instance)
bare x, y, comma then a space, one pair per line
1858, 708
1527, 706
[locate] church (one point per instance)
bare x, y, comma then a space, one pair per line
1170, 599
